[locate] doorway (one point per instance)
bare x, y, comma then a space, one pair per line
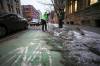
97, 22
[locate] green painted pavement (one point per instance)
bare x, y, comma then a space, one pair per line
28, 48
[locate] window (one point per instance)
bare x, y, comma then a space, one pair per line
27, 9
75, 5
93, 1
16, 0
8, 1
70, 8
9, 7
1, 4
18, 10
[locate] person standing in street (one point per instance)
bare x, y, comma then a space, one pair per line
44, 25
44, 21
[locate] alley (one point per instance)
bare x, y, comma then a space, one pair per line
28, 48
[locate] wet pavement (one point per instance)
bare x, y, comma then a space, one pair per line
68, 46
28, 48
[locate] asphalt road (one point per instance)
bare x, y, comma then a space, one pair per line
28, 48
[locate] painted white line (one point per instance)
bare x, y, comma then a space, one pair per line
18, 58
11, 52
37, 53
9, 60
15, 54
23, 63
31, 43
35, 56
50, 58
13, 64
34, 51
39, 64
26, 50
40, 57
21, 52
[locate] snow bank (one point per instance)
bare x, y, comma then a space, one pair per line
83, 48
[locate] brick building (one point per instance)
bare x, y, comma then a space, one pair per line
83, 12
30, 12
10, 6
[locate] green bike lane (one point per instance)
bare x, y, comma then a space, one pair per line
28, 48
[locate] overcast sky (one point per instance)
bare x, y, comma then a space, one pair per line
37, 4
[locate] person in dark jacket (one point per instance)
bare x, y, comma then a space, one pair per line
44, 25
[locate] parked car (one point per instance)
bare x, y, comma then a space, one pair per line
35, 22
11, 22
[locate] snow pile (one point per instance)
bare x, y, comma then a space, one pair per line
81, 48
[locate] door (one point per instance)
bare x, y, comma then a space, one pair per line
97, 22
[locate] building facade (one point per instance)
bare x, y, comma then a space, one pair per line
10, 6
83, 12
30, 12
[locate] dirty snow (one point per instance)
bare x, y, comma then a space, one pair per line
83, 48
